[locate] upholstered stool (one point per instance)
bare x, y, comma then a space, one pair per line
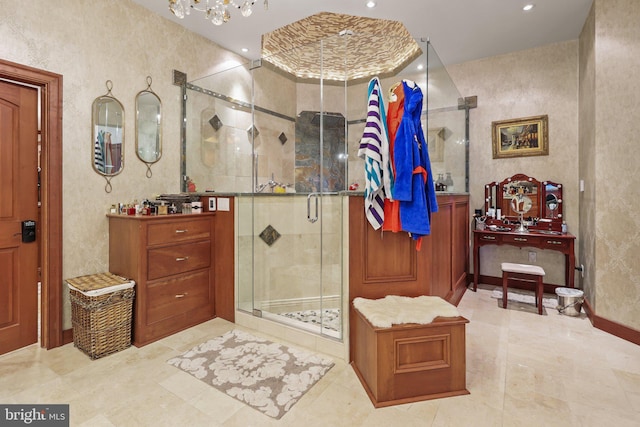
529, 273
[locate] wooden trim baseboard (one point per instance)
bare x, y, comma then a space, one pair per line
67, 336
611, 327
606, 325
549, 288
455, 296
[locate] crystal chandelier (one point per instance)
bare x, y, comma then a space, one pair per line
217, 11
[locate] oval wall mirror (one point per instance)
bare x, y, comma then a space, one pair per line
148, 127
107, 136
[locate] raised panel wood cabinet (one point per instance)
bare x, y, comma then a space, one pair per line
450, 247
171, 259
387, 263
409, 362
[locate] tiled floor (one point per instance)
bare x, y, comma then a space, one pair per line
522, 370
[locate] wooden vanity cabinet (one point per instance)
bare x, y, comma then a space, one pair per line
171, 260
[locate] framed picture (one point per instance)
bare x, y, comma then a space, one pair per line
528, 136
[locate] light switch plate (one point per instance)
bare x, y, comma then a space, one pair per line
212, 204
223, 204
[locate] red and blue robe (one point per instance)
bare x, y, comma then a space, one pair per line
413, 185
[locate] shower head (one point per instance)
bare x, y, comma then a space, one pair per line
330, 119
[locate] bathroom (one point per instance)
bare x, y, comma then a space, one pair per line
546, 78
257, 134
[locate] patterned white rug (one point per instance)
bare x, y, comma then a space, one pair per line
267, 376
524, 297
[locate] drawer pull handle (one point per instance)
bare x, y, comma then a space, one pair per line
554, 242
488, 238
181, 231
181, 295
184, 258
519, 239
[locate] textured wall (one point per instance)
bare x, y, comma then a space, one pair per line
89, 43
587, 155
617, 101
521, 84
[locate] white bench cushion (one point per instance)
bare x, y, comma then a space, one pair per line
395, 309
522, 268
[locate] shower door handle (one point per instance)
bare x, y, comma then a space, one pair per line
309, 217
314, 218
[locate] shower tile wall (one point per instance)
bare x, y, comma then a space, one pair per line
222, 160
308, 154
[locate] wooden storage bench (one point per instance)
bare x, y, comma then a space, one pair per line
409, 362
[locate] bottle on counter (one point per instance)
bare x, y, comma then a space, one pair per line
448, 181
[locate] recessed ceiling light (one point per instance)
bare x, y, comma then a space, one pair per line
371, 4
528, 7
420, 66
244, 49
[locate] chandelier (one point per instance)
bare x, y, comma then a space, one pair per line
217, 11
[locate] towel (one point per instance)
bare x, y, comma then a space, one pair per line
374, 149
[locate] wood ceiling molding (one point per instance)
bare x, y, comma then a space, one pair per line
340, 47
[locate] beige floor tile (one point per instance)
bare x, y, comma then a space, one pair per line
97, 421
522, 370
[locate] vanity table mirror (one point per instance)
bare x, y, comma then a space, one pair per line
552, 197
148, 127
542, 200
107, 125
531, 216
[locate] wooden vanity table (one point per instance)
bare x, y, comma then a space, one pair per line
543, 220
536, 239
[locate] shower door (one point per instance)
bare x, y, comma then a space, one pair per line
294, 243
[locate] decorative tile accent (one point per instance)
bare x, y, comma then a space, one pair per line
215, 122
179, 78
252, 132
269, 235
282, 138
307, 152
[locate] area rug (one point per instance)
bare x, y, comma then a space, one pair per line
524, 297
267, 376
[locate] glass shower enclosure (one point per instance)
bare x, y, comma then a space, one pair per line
280, 137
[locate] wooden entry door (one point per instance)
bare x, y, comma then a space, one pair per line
18, 203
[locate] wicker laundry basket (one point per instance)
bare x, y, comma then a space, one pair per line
101, 311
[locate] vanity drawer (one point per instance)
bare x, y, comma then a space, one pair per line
557, 244
490, 238
168, 298
178, 259
178, 231
519, 239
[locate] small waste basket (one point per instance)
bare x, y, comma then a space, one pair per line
569, 301
101, 311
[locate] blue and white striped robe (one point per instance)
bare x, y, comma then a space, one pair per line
374, 149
